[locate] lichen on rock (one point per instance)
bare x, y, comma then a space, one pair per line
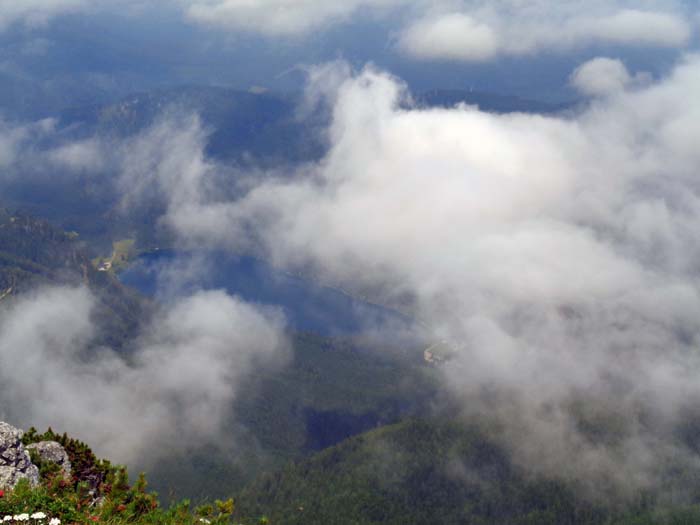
15, 462
53, 452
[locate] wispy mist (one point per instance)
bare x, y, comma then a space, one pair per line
557, 254
173, 392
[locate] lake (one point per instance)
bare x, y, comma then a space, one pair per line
308, 306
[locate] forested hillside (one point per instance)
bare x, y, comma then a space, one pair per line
330, 390
33, 253
435, 471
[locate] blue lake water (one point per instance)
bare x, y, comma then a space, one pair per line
307, 306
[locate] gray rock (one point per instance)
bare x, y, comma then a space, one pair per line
15, 463
53, 452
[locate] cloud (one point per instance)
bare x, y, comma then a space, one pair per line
33, 151
173, 392
170, 153
10, 139
479, 30
166, 167
450, 30
33, 13
86, 155
558, 254
279, 17
176, 386
16, 139
631, 26
604, 76
467, 30
454, 36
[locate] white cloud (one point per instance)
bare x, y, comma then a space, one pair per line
601, 76
630, 26
509, 27
78, 156
467, 29
458, 30
37, 149
558, 252
176, 389
454, 36
174, 392
279, 17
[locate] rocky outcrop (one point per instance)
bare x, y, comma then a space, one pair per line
52, 452
15, 463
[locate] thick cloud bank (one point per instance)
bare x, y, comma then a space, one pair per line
174, 392
558, 254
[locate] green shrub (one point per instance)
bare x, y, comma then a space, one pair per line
98, 492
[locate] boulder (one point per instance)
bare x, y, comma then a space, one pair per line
15, 463
53, 452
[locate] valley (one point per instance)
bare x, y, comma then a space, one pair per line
349, 263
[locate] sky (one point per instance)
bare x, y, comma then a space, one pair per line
558, 253
56, 53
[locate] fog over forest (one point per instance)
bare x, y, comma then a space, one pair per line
554, 253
